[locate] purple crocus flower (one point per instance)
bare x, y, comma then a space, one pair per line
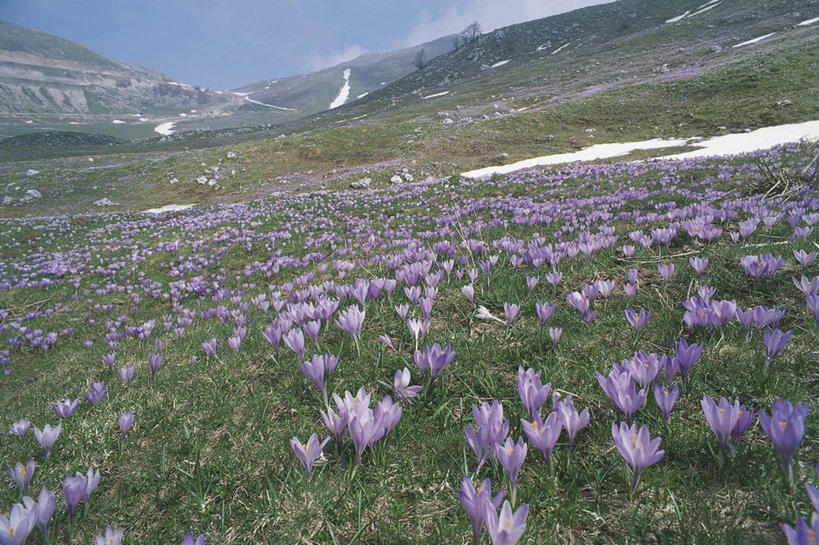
666, 270
154, 360
189, 539
722, 419
234, 343
543, 434
666, 399
469, 293
698, 264
125, 421
473, 501
803, 533
20, 428
96, 393
573, 420
785, 428
22, 474
620, 389
505, 528
351, 321
434, 358
544, 311
686, 356
126, 373
73, 490
532, 392
362, 429
45, 510
511, 310
401, 386
511, 456
210, 347
48, 436
554, 334
314, 369
112, 537
65, 408
108, 359
294, 339
775, 341
92, 480
637, 448
15, 529
637, 319
308, 452
745, 419
335, 423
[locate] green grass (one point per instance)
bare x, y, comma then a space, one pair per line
209, 449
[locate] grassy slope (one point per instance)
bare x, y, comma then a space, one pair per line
752, 91
209, 449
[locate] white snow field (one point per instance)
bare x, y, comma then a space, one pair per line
807, 22
436, 95
165, 128
755, 40
729, 144
344, 93
168, 208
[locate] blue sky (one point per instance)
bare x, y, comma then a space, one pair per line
225, 44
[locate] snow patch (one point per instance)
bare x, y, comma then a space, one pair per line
344, 93
118, 122
168, 208
442, 93
598, 151
702, 9
807, 22
362, 95
247, 98
755, 40
560, 48
165, 128
500, 63
760, 139
729, 144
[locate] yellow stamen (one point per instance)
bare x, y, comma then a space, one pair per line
11, 531
534, 424
508, 522
783, 424
722, 411
305, 448
509, 450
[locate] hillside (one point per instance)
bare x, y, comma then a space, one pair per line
316, 91
45, 74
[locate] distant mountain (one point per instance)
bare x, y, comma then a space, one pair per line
317, 91
45, 74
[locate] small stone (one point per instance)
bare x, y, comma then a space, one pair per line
202, 180
363, 183
105, 202
174, 180
231, 155
396, 179
408, 177
34, 194
32, 172
448, 121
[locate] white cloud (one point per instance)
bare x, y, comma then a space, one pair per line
491, 14
319, 62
